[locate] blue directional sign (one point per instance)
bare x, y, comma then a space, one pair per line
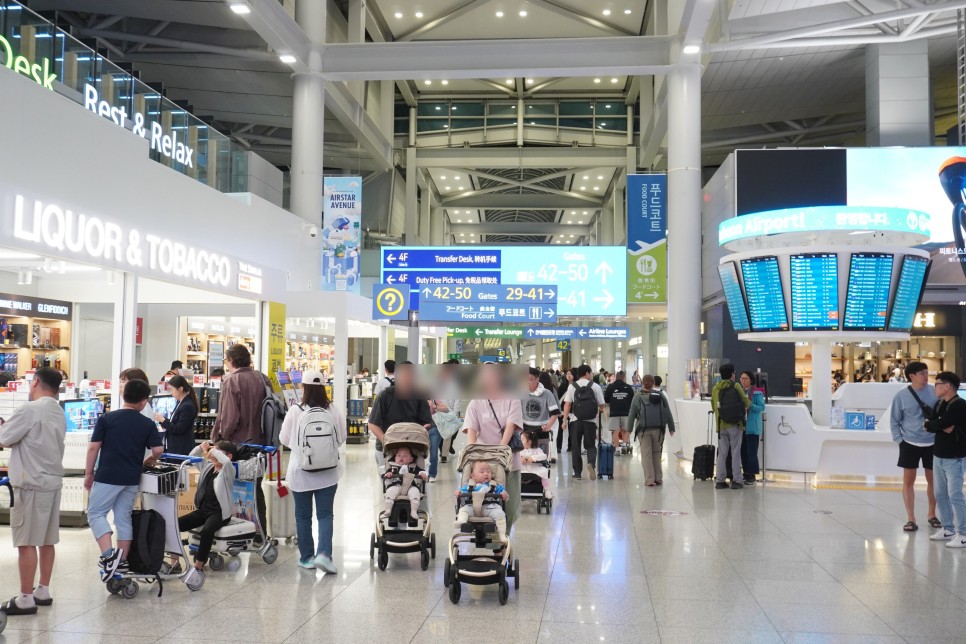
390, 302
462, 311
578, 333
503, 293
589, 280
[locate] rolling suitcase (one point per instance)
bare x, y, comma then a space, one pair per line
605, 458
702, 465
279, 503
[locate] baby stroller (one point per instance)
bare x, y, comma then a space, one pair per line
244, 528
393, 533
487, 560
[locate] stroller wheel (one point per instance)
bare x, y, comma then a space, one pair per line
216, 561
271, 555
3, 620
516, 574
446, 573
372, 546
383, 558
114, 586
130, 590
503, 592
234, 564
432, 545
454, 592
424, 558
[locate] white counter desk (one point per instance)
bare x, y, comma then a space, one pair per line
794, 443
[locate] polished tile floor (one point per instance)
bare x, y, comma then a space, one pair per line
765, 564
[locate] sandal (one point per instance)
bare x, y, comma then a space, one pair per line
10, 607
910, 526
934, 522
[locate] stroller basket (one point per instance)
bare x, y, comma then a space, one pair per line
162, 479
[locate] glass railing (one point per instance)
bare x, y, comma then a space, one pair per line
30, 45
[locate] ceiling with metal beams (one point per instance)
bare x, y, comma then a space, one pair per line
776, 73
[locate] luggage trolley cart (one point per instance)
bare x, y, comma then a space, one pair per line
239, 534
5, 482
159, 491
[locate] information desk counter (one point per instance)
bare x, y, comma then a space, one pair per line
793, 442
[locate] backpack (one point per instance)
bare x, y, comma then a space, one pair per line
585, 402
731, 409
147, 547
272, 416
653, 399
317, 447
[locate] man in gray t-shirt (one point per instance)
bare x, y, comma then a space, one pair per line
906, 419
540, 407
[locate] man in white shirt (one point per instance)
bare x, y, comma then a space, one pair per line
386, 381
35, 433
581, 414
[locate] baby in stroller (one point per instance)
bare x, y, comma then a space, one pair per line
481, 481
396, 470
534, 462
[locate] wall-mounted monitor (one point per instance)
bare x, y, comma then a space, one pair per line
912, 277
734, 297
766, 298
82, 414
815, 291
867, 296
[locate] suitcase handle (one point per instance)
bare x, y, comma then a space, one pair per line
710, 424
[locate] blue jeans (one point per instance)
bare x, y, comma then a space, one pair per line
948, 481
749, 455
435, 440
118, 499
324, 501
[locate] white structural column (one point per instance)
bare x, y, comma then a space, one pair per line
341, 363
684, 222
125, 323
898, 103
436, 226
308, 122
821, 387
411, 216
607, 225
425, 212
356, 35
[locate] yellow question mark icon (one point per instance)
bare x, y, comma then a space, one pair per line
390, 302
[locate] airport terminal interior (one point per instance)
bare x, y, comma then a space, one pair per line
337, 188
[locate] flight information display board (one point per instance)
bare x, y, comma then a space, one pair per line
912, 275
766, 298
732, 293
815, 291
867, 297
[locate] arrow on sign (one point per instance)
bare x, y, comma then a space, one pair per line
606, 300
390, 280
551, 294
426, 292
548, 313
653, 296
582, 333
603, 269
530, 332
391, 258
479, 332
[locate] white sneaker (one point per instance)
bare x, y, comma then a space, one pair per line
958, 541
591, 472
942, 535
325, 564
432, 479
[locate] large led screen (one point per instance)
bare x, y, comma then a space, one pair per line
815, 291
908, 293
732, 293
766, 298
867, 296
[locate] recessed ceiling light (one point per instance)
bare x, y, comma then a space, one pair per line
288, 59
596, 187
606, 12
444, 82
509, 81
586, 177
585, 212
447, 188
603, 124
399, 14
529, 81
581, 221
241, 8
596, 80
691, 49
607, 106
613, 80
460, 188
499, 14
627, 12
583, 187
427, 82
600, 177
573, 212
419, 14
523, 13
438, 108
456, 177
444, 179
446, 127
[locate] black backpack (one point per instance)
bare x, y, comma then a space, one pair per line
731, 409
273, 414
585, 402
652, 399
147, 547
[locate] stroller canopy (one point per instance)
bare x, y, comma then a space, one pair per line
411, 435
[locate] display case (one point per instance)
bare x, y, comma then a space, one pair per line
205, 341
304, 351
34, 333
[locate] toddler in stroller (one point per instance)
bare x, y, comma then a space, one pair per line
396, 471
535, 473
481, 481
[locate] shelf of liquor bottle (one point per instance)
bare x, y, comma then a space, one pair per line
197, 353
4, 347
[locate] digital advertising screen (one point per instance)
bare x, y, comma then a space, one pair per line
867, 296
82, 415
815, 291
164, 405
766, 298
912, 276
733, 295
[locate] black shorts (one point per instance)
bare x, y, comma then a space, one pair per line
911, 455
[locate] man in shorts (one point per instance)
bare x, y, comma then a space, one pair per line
907, 416
618, 396
35, 433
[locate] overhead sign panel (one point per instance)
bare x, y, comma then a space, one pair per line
578, 333
483, 332
487, 312
390, 302
647, 238
589, 280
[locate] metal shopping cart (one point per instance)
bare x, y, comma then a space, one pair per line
159, 491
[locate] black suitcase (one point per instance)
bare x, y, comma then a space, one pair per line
702, 465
